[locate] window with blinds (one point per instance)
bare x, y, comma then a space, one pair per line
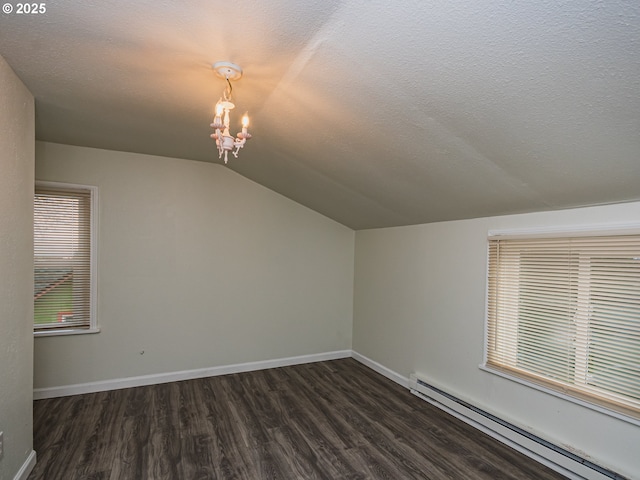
564, 313
63, 283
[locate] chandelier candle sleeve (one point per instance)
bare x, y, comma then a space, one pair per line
245, 124
217, 121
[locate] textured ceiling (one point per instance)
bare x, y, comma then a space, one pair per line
373, 113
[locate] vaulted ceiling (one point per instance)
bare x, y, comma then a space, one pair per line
374, 113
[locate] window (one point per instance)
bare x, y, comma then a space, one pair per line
564, 313
64, 277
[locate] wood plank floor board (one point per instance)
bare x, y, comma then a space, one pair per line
130, 454
219, 426
330, 415
273, 408
374, 464
406, 455
200, 449
334, 420
297, 455
198, 440
332, 424
393, 423
100, 435
330, 450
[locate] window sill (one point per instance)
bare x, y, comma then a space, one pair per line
541, 388
70, 331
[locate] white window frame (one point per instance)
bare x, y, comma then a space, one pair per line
93, 283
579, 230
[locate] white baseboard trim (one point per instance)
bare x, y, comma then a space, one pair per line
381, 369
27, 466
118, 383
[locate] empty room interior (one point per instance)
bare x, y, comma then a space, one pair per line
341, 215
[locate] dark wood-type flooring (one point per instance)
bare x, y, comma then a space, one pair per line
328, 420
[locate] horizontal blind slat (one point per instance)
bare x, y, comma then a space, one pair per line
62, 257
565, 311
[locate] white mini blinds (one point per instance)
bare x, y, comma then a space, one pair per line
564, 313
62, 258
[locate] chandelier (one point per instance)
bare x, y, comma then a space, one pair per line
224, 140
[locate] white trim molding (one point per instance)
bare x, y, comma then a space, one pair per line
590, 230
381, 369
71, 331
139, 381
26, 467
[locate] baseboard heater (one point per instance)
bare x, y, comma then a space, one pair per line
559, 459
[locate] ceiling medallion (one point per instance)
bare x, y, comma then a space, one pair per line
224, 140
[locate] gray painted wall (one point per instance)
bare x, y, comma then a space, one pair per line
419, 306
198, 267
16, 270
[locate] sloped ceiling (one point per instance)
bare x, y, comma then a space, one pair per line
374, 113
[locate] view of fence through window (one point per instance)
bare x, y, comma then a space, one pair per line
62, 258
